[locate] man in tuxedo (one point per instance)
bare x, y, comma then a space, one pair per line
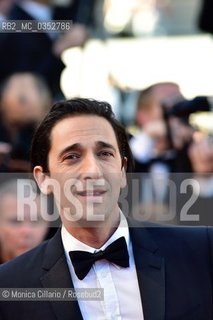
80, 153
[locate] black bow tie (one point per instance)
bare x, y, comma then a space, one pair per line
116, 253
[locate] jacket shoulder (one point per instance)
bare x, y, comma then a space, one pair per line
171, 237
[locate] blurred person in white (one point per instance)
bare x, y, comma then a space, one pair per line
25, 99
19, 231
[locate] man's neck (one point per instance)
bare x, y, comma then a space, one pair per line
95, 235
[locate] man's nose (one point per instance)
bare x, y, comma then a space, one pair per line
91, 168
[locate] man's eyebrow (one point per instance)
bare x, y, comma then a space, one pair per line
102, 144
73, 147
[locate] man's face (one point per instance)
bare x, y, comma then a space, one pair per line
85, 161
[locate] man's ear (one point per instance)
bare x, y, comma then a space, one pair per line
42, 180
123, 171
124, 163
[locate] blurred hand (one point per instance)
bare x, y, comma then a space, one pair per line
157, 131
5, 148
77, 36
181, 133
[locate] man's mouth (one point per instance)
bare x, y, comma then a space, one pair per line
91, 193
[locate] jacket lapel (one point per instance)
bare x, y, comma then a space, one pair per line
57, 275
151, 273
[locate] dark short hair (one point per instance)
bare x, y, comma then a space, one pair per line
41, 142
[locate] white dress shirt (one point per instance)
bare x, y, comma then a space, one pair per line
122, 298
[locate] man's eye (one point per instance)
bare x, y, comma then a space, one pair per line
72, 156
106, 154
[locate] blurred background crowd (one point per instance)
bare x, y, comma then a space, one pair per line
152, 60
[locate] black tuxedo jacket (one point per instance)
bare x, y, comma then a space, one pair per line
174, 268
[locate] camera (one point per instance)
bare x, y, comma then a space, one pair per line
183, 109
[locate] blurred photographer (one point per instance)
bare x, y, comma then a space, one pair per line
166, 143
152, 149
151, 144
188, 134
